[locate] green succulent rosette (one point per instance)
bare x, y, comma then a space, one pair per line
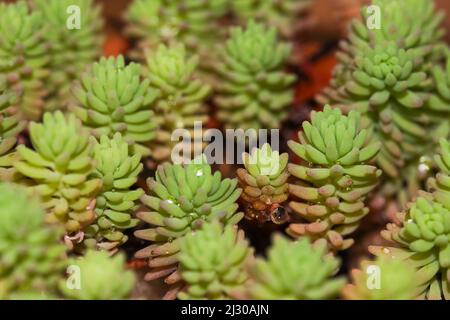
102, 277
72, 46
332, 186
10, 127
31, 257
295, 271
264, 183
116, 202
421, 240
182, 198
212, 262
113, 98
193, 23
24, 57
180, 95
58, 169
440, 184
382, 279
254, 90
281, 14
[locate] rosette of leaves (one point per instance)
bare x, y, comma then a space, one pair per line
191, 22
180, 95
264, 182
421, 240
101, 278
295, 271
31, 257
382, 279
24, 57
254, 91
181, 199
281, 14
387, 84
59, 168
10, 127
74, 33
113, 98
440, 184
336, 179
116, 202
213, 262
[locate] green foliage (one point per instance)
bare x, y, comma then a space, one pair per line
31, 258
190, 22
392, 280
112, 98
264, 182
24, 57
281, 14
440, 185
101, 278
182, 198
212, 262
116, 202
59, 168
10, 127
71, 49
422, 241
180, 95
254, 91
295, 271
385, 74
334, 183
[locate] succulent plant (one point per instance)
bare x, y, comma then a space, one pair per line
112, 98
295, 271
182, 198
440, 184
180, 95
254, 91
382, 279
24, 58
116, 201
282, 14
421, 240
59, 167
101, 278
31, 257
72, 46
264, 182
191, 22
212, 262
10, 127
337, 178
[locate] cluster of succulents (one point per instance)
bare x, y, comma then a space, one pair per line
391, 74
76, 130
336, 179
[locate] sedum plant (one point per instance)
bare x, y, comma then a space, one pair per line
10, 127
59, 168
382, 279
24, 57
180, 95
101, 278
440, 184
181, 199
213, 261
264, 183
116, 202
281, 14
113, 98
72, 46
191, 22
333, 184
31, 257
295, 271
421, 240
254, 91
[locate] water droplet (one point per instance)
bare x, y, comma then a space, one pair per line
199, 173
279, 215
